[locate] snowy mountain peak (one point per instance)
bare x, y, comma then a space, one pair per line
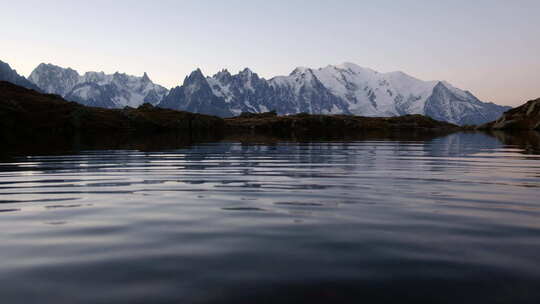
97, 88
347, 65
351, 68
54, 79
299, 71
52, 67
246, 72
344, 88
121, 78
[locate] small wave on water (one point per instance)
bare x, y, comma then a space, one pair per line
445, 220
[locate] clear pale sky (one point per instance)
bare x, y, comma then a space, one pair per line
489, 47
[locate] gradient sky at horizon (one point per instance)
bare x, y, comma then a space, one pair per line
489, 47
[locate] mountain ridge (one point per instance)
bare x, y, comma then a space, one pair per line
334, 89
97, 88
341, 89
26, 114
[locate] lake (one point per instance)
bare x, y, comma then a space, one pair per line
449, 219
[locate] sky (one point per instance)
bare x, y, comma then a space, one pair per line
489, 47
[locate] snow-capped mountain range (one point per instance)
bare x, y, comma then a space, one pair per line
339, 89
97, 88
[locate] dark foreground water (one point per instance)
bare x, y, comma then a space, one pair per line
454, 219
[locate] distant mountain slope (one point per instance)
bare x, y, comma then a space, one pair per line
97, 88
524, 117
461, 107
340, 89
10, 75
345, 88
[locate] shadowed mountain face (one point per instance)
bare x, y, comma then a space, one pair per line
198, 97
10, 75
342, 89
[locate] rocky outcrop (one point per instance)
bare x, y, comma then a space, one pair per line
525, 117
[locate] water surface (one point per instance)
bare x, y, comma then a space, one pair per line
453, 219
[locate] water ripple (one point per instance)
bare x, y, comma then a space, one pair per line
283, 223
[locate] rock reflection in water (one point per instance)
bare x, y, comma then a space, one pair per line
415, 218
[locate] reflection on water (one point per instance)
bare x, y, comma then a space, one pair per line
446, 220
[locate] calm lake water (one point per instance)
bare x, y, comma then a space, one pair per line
453, 219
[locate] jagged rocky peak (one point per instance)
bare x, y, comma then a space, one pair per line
145, 78
98, 88
195, 76
121, 77
222, 73
94, 77
54, 79
223, 76
246, 72
300, 75
334, 89
345, 88
247, 79
51, 68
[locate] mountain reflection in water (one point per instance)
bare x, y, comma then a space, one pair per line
412, 218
